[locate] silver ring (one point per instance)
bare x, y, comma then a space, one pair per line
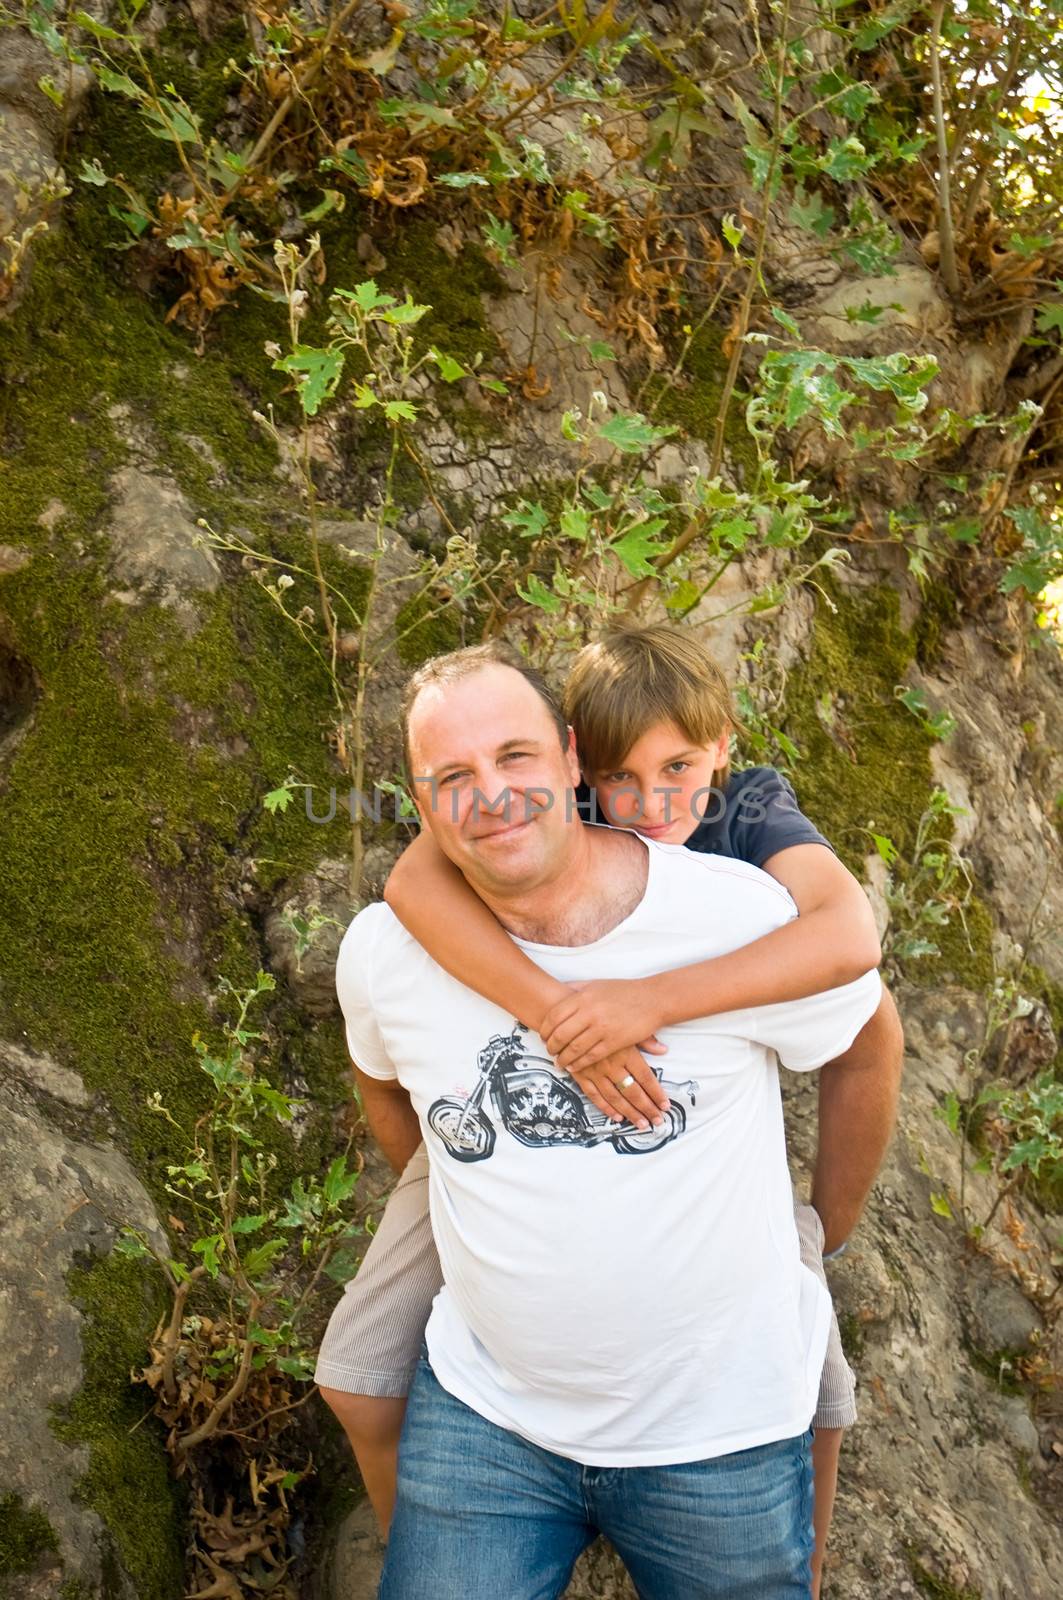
625, 1083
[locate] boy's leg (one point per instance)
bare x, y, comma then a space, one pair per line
826, 1448
836, 1406
481, 1513
373, 1425
371, 1345
736, 1527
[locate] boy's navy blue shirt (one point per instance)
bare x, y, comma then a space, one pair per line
750, 817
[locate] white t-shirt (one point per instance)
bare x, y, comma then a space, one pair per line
618, 1298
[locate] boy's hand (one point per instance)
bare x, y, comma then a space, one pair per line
642, 1101
596, 1019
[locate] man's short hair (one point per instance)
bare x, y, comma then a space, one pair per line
457, 664
637, 676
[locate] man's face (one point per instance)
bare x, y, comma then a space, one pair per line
491, 781
655, 791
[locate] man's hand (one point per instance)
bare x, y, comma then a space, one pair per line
642, 1101
598, 1019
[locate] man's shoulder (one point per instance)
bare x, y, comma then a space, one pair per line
731, 874
371, 930
723, 890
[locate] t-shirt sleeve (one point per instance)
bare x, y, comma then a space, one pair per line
765, 816
806, 1033
354, 989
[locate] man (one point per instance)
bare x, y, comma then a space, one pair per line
626, 1340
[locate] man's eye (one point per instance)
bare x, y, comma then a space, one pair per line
516, 755
451, 777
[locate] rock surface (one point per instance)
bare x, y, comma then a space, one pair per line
62, 1201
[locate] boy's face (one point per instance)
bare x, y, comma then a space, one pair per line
655, 791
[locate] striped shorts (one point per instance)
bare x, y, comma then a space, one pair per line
374, 1335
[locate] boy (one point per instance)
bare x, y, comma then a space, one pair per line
652, 716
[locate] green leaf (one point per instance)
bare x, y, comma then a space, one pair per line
529, 519
810, 211
631, 434
495, 385
939, 1204
785, 320
870, 312
416, 115
127, 1244
598, 350
732, 231
845, 160
250, 1224
683, 596
317, 374
262, 1257
449, 369
462, 180
339, 1183
277, 800
1049, 317
349, 162
174, 121
885, 847
403, 315
537, 594
366, 296
574, 523
636, 547
92, 172
501, 237
332, 200
295, 1367
99, 30
51, 90
400, 411
209, 1249
117, 82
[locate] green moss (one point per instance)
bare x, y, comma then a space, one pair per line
854, 1334
965, 950
421, 635
693, 400
938, 613
865, 760
128, 1481
935, 1588
25, 1535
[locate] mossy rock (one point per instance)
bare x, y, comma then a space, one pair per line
128, 1482
694, 399
25, 1536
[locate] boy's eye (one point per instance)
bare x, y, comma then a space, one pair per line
616, 777
678, 766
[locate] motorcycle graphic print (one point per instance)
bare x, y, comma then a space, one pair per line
541, 1108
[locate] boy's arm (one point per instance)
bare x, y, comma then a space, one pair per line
435, 904
831, 942
858, 1095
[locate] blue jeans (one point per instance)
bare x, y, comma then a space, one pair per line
482, 1514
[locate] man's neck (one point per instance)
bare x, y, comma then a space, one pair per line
597, 886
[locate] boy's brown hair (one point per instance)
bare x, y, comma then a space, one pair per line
637, 676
